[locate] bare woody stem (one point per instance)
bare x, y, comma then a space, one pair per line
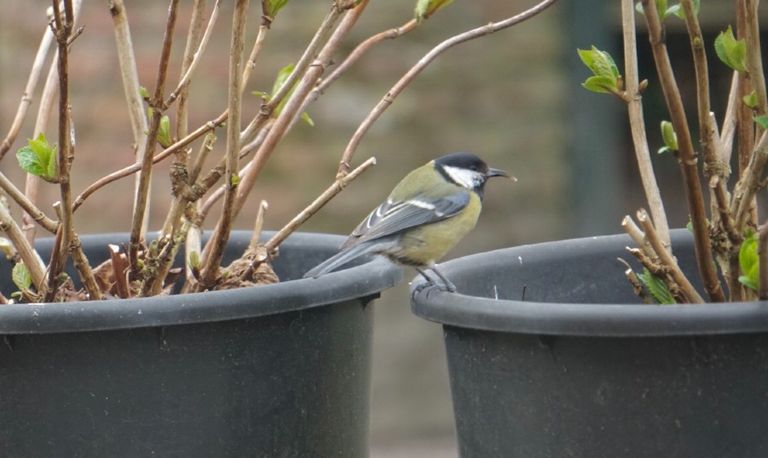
687, 156
250, 64
714, 169
300, 92
197, 21
129, 73
637, 123
142, 188
69, 244
27, 254
745, 126
191, 66
316, 205
749, 183
48, 100
36, 214
26, 97
133, 168
210, 269
754, 57
389, 97
728, 129
667, 260
361, 50
353, 57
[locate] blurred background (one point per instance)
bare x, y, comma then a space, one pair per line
513, 97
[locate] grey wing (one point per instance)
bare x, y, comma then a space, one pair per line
392, 217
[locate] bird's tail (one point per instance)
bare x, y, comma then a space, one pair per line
338, 260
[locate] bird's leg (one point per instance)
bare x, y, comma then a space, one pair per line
429, 281
450, 287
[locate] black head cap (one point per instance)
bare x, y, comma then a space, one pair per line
466, 170
463, 161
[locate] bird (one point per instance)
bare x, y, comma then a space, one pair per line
425, 216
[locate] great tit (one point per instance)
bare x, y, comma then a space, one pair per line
426, 215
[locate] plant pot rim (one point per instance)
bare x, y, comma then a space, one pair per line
579, 319
366, 279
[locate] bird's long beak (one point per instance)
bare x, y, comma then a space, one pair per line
498, 173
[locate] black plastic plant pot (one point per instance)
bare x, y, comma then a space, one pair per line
551, 354
271, 371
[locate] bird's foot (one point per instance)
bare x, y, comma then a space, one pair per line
446, 286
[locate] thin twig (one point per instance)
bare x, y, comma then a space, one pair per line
728, 128
47, 102
210, 269
250, 64
749, 183
389, 97
634, 232
687, 156
26, 97
744, 122
70, 243
129, 73
133, 168
32, 182
131, 87
196, 23
637, 123
716, 171
754, 57
258, 225
359, 51
631, 276
667, 260
196, 57
142, 189
353, 57
36, 214
316, 205
28, 255
283, 120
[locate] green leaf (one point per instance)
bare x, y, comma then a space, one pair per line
194, 259
143, 92
426, 8
274, 6
600, 84
657, 287
665, 11
280, 79
749, 261
750, 100
305, 117
234, 179
731, 51
762, 121
669, 135
600, 62
21, 276
38, 158
677, 10
282, 76
164, 132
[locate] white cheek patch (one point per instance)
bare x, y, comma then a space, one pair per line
464, 177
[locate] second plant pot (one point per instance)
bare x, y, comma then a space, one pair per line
551, 354
280, 370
